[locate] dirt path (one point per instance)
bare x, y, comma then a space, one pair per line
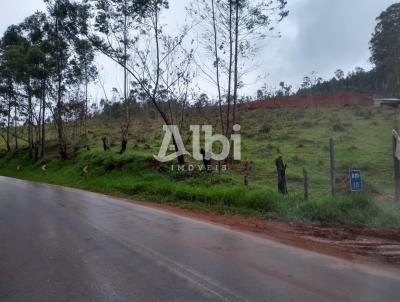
356, 244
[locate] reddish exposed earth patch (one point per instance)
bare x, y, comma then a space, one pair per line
356, 244
340, 99
376, 173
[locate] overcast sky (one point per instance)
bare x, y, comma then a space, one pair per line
318, 35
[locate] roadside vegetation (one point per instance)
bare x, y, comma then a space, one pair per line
51, 130
364, 142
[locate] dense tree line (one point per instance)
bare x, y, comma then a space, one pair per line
359, 80
46, 64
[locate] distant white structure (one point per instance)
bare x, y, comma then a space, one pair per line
387, 102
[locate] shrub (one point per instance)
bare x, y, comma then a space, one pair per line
338, 127
266, 129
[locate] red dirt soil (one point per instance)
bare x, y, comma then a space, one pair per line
341, 99
355, 244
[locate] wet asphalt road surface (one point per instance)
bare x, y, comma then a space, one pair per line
59, 244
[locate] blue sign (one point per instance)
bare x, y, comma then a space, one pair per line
356, 183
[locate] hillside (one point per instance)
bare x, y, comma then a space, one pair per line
362, 141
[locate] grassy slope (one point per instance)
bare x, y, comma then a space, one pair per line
363, 140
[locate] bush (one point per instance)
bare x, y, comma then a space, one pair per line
355, 210
338, 127
265, 129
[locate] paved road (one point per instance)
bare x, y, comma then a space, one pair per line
59, 244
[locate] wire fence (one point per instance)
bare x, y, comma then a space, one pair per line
377, 170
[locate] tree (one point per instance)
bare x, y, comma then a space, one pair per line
6, 89
65, 24
202, 101
358, 80
162, 64
36, 30
310, 81
83, 72
385, 48
150, 55
3, 121
12, 69
260, 94
26, 58
116, 30
231, 31
217, 63
339, 74
284, 90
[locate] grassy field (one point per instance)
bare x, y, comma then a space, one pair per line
301, 136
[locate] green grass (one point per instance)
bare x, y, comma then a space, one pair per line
362, 141
137, 175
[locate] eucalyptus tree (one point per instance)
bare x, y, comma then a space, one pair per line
42, 58
231, 32
162, 67
117, 24
22, 60
3, 121
28, 58
12, 72
6, 94
385, 49
36, 30
131, 34
83, 72
66, 20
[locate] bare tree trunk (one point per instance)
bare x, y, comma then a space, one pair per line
125, 135
8, 125
37, 140
59, 115
217, 66
181, 158
125, 127
86, 107
30, 132
15, 127
38, 131
43, 136
236, 76
60, 128
230, 68
59, 121
106, 146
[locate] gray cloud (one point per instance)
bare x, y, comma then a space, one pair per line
322, 35
15, 11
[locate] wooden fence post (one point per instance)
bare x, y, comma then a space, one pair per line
333, 166
247, 169
396, 170
305, 174
281, 169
